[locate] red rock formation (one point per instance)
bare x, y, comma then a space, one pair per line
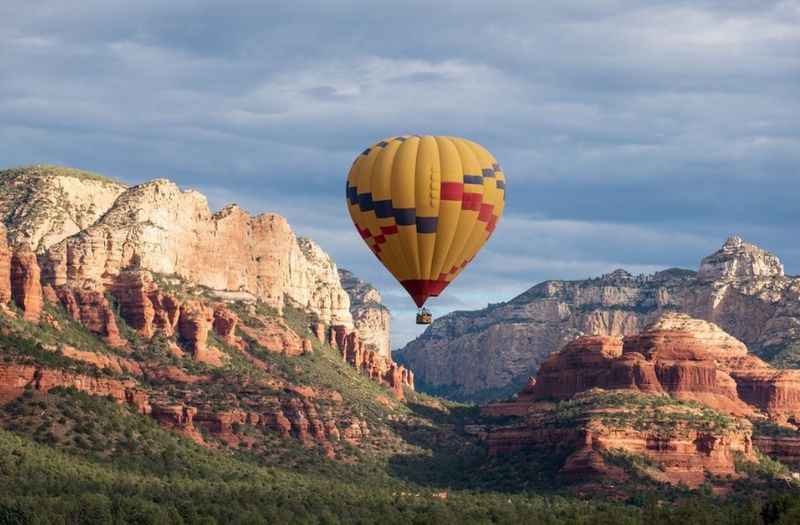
683, 357
315, 424
221, 424
14, 378
785, 449
193, 325
50, 295
302, 391
166, 312
295, 413
91, 309
118, 365
332, 430
308, 348
173, 374
320, 331
394, 377
684, 458
253, 418
337, 335
278, 421
686, 358
143, 306
5, 268
355, 431
408, 378
371, 363
178, 417
225, 323
26, 289
131, 290
775, 392
274, 335
684, 452
353, 350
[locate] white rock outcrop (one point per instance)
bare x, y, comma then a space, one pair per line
372, 319
45, 204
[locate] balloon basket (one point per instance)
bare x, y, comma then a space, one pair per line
424, 317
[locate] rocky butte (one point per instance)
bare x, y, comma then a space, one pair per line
679, 393
490, 353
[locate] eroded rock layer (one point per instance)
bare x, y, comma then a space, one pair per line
689, 359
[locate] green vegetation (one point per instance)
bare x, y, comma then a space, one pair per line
456, 393
60, 330
148, 475
58, 171
782, 357
628, 460
659, 413
765, 468
767, 428
25, 351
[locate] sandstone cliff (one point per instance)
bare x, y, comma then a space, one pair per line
490, 353
372, 319
45, 204
5, 268
158, 227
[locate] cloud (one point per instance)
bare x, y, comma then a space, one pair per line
633, 134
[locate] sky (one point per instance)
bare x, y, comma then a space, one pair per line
632, 134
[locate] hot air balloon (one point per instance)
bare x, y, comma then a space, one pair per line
425, 205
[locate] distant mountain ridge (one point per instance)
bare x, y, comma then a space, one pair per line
489, 353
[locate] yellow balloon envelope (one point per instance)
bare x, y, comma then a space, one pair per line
425, 205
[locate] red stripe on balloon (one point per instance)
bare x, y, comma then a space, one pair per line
471, 201
451, 191
486, 212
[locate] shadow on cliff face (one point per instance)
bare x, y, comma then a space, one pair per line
452, 456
